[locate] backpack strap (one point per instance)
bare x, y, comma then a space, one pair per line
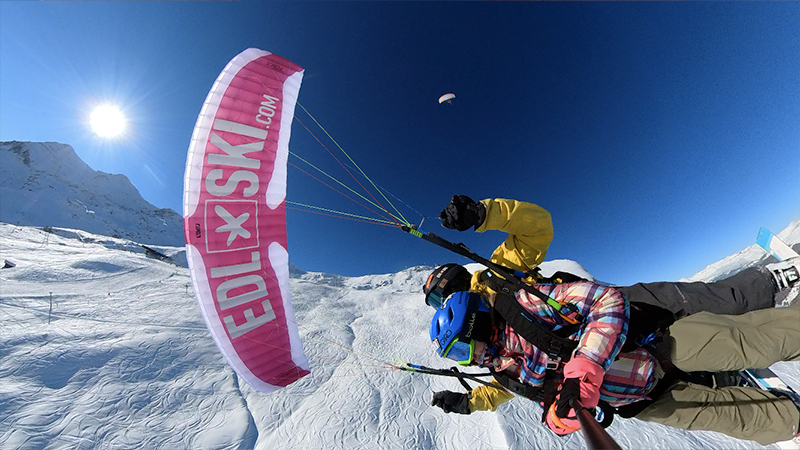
554, 343
556, 346
511, 285
645, 323
524, 390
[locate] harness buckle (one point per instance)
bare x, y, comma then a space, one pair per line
571, 313
552, 363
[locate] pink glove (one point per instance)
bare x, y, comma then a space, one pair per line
589, 376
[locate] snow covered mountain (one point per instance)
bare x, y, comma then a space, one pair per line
47, 184
102, 347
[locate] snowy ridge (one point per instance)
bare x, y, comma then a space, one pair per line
126, 362
749, 257
47, 184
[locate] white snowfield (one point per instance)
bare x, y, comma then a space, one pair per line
124, 360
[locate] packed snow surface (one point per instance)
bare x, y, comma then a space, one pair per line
102, 346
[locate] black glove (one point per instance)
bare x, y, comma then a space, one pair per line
451, 402
462, 213
570, 390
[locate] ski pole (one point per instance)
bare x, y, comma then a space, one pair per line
460, 249
503, 272
450, 373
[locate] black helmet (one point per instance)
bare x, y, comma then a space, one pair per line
443, 281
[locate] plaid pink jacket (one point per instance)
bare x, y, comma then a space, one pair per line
628, 376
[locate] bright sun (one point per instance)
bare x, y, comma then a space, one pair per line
107, 121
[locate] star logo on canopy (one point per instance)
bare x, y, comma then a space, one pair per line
233, 224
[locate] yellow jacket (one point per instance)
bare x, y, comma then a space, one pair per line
530, 231
529, 228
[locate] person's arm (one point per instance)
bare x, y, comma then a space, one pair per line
606, 323
482, 398
529, 228
486, 398
600, 342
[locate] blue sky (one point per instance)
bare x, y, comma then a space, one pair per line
660, 136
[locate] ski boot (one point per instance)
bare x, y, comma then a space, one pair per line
786, 275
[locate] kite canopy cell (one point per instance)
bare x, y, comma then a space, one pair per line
446, 98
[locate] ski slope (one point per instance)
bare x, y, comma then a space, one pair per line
124, 360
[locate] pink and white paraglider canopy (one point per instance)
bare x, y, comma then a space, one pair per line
235, 218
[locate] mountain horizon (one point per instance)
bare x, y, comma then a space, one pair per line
47, 184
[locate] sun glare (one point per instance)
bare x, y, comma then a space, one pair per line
107, 121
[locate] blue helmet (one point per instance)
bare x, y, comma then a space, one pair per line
462, 319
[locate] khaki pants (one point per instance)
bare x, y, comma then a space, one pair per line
711, 342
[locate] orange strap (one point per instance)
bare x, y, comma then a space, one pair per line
557, 420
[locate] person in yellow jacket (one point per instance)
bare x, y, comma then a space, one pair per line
530, 232
529, 228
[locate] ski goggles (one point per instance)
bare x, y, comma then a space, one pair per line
441, 284
460, 352
434, 298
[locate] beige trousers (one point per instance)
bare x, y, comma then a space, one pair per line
712, 342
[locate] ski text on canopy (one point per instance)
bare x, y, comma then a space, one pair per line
233, 226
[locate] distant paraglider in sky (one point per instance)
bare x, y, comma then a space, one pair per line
447, 98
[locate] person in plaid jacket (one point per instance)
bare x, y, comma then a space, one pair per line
599, 368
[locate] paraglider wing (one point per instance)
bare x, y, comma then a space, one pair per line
235, 218
446, 98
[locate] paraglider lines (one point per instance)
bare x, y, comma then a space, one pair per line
343, 185
376, 203
348, 331
341, 213
378, 364
401, 217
